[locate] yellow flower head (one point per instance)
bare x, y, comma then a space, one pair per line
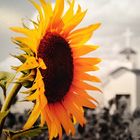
52, 58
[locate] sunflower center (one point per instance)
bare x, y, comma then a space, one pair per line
56, 54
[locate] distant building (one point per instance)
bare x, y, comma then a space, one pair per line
124, 82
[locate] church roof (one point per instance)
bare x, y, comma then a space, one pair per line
121, 70
128, 51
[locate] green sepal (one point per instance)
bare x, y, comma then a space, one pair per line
20, 57
27, 80
32, 132
29, 77
24, 72
5, 79
23, 47
27, 84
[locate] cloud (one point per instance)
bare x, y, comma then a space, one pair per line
8, 17
6, 64
115, 16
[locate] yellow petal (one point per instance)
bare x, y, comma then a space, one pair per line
30, 63
80, 40
87, 61
82, 50
83, 102
69, 14
64, 119
46, 112
29, 42
56, 22
85, 86
43, 100
57, 122
38, 83
72, 23
84, 94
87, 77
33, 117
84, 31
47, 8
81, 36
58, 10
82, 68
30, 76
69, 105
41, 14
33, 96
42, 64
42, 119
30, 33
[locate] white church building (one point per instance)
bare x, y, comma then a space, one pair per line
124, 81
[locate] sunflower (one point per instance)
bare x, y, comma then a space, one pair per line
52, 62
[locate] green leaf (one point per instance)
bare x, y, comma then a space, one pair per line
3, 115
5, 79
20, 57
32, 132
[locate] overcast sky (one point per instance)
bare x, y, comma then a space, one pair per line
116, 17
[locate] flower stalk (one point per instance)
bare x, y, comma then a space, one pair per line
8, 102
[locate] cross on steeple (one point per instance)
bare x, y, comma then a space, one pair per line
128, 34
128, 51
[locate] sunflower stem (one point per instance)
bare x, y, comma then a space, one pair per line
8, 102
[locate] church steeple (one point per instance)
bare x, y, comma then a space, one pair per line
128, 34
128, 52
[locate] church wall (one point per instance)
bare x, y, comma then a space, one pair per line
138, 89
124, 84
